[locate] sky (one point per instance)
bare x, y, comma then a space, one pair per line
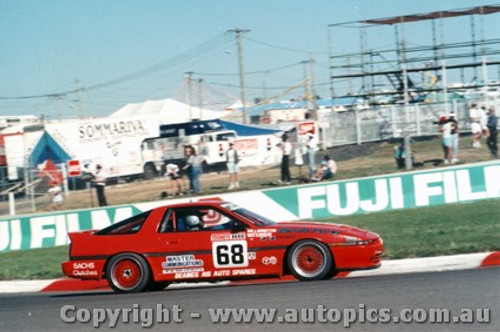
129, 51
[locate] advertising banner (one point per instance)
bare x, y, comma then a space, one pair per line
456, 184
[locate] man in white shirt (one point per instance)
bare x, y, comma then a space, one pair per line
286, 148
232, 160
475, 116
99, 183
311, 145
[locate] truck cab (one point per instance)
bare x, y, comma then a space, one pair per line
209, 139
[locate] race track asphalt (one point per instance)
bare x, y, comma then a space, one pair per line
453, 290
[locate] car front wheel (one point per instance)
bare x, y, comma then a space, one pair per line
128, 273
310, 260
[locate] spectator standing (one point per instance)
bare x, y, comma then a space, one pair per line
55, 192
232, 160
445, 130
311, 146
484, 121
194, 164
99, 181
172, 172
493, 137
186, 168
286, 148
475, 116
399, 155
454, 137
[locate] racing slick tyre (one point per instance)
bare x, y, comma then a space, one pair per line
155, 286
310, 260
128, 273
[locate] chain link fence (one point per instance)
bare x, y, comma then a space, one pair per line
29, 192
392, 122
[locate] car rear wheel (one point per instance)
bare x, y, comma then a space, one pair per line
128, 273
310, 260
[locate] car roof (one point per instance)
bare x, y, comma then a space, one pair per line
217, 203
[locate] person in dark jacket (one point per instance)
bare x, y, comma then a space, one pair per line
492, 125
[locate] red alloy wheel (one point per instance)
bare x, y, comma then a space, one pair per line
127, 273
310, 259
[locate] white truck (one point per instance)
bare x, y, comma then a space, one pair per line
209, 138
133, 147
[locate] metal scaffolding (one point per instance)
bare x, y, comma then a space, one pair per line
404, 60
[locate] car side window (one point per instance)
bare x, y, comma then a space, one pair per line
167, 224
204, 218
187, 220
216, 220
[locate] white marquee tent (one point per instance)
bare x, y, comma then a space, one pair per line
168, 111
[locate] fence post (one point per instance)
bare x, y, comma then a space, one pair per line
393, 121
65, 179
358, 127
416, 107
12, 204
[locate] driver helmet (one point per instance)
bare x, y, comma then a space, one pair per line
193, 221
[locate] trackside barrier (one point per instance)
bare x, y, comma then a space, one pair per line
320, 200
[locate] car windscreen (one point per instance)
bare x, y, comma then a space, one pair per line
253, 217
128, 226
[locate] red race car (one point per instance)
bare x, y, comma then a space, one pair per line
213, 241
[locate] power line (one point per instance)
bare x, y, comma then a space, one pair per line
283, 48
207, 46
264, 71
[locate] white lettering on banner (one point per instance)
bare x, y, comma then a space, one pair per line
465, 192
306, 202
16, 236
450, 187
334, 201
381, 198
72, 223
422, 189
61, 231
10, 235
40, 230
397, 196
100, 218
492, 179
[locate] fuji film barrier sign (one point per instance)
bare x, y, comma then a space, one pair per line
390, 192
329, 199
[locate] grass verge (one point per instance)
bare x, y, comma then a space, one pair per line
421, 232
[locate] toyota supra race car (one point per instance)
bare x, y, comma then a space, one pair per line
214, 241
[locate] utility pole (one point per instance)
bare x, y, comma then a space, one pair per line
330, 62
200, 90
305, 78
407, 137
307, 93
312, 62
238, 33
189, 76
